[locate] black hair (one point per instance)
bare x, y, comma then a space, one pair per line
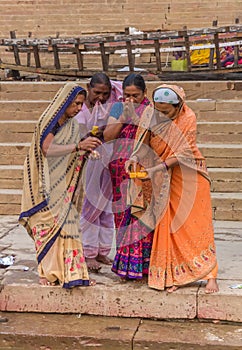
136, 80
83, 92
100, 78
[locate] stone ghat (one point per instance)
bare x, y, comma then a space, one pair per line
219, 113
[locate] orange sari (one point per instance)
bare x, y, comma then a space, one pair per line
183, 249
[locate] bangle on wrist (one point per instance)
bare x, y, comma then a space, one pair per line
77, 148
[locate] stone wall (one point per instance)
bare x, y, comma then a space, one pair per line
72, 18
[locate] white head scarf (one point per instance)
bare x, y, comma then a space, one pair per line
165, 95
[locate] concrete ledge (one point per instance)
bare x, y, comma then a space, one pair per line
20, 291
190, 336
127, 300
29, 331
225, 305
61, 332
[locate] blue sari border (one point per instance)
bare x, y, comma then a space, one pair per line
48, 246
34, 209
60, 112
76, 283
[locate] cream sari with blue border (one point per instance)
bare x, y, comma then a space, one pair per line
48, 210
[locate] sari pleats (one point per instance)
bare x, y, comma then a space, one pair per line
134, 239
187, 253
50, 196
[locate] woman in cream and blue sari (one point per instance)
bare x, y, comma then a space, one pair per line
52, 172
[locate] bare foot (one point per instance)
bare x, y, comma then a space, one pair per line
44, 282
172, 289
212, 286
93, 265
104, 259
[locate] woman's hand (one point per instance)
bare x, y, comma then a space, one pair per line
149, 173
89, 144
129, 113
160, 167
131, 164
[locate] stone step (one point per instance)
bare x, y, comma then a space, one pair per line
10, 201
216, 109
217, 132
22, 110
222, 155
116, 16
226, 179
219, 116
206, 110
18, 131
228, 132
217, 155
13, 153
13, 90
222, 179
21, 292
205, 89
11, 176
28, 331
226, 206
133, 315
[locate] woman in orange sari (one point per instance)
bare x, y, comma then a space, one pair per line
183, 249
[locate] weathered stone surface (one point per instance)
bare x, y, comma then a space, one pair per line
13, 196
61, 332
227, 206
217, 116
222, 155
226, 105
13, 209
13, 153
29, 331
225, 306
115, 17
127, 300
21, 292
11, 176
22, 110
17, 131
219, 132
153, 335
